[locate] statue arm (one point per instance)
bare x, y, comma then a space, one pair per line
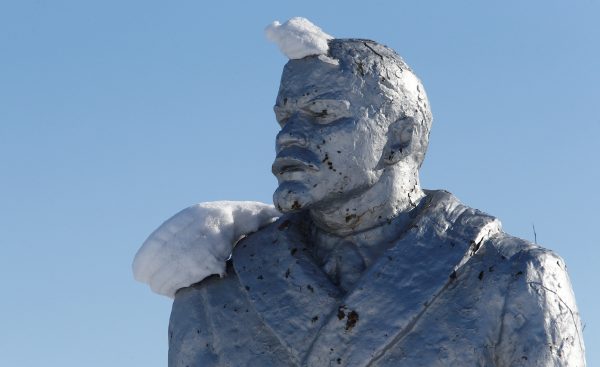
540, 324
196, 242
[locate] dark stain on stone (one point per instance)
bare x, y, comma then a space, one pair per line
480, 276
475, 247
260, 277
341, 314
293, 251
247, 288
361, 70
351, 320
314, 319
453, 275
287, 273
284, 225
390, 156
310, 288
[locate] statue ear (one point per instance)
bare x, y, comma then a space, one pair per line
400, 136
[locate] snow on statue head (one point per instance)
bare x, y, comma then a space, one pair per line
298, 38
353, 116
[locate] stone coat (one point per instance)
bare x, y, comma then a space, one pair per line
453, 290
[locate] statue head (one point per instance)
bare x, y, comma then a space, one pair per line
347, 119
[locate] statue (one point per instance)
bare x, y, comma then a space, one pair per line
364, 267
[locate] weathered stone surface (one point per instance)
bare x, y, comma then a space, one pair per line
451, 290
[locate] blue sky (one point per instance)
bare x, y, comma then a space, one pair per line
115, 115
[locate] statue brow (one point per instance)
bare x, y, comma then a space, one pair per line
305, 101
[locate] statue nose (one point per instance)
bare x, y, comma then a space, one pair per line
292, 134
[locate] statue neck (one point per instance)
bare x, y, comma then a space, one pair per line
396, 194
350, 235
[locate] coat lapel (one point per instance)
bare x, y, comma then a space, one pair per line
290, 292
393, 293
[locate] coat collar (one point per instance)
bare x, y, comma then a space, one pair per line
316, 322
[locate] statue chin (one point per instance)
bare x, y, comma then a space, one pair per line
292, 196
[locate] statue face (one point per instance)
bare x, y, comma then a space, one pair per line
331, 141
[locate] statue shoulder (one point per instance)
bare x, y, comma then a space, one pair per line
525, 256
211, 286
229, 278
541, 324
543, 272
533, 264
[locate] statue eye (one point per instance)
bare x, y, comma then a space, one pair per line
319, 115
327, 111
323, 113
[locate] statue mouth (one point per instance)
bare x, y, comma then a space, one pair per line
295, 159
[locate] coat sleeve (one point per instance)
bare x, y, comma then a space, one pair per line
540, 322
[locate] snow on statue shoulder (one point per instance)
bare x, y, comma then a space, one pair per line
196, 242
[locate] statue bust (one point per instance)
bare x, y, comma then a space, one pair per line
363, 267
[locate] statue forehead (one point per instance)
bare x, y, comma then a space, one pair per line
306, 75
317, 77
